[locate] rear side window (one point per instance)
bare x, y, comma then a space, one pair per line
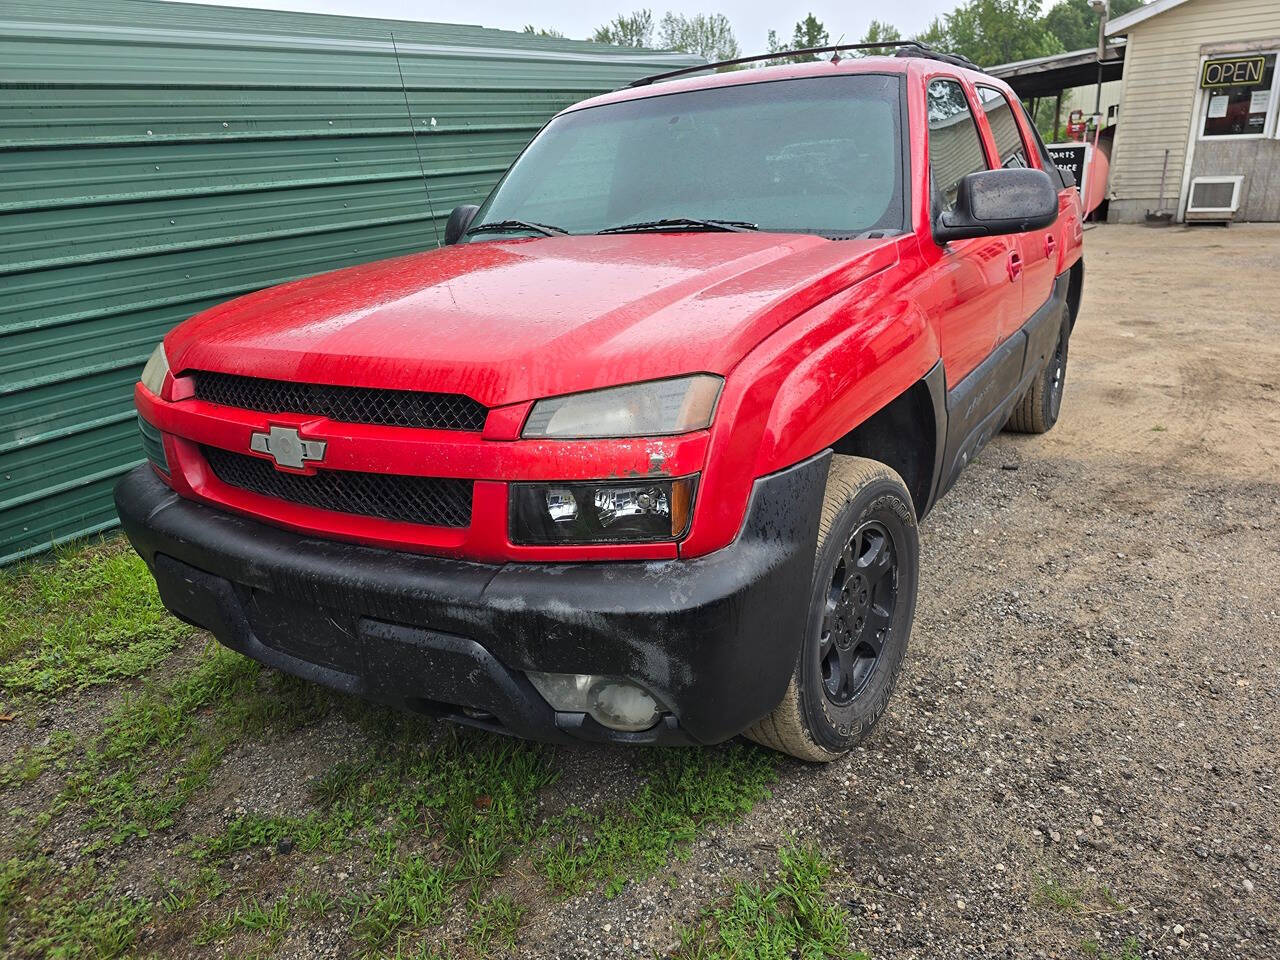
1004, 128
1046, 161
955, 149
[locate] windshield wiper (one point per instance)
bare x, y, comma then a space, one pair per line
517, 226
730, 226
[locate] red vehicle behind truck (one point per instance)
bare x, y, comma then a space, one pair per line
638, 456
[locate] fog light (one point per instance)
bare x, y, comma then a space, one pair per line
611, 701
624, 706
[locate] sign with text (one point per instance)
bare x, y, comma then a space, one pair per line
1233, 72
1069, 157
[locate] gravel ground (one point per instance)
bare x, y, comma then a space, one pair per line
1091, 695
1081, 754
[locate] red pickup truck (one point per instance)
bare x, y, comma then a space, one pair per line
638, 455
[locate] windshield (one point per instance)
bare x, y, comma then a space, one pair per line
820, 155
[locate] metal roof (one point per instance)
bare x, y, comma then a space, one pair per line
1045, 76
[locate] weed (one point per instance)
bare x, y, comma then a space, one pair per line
191, 721
793, 918
1131, 949
1050, 893
1092, 900
480, 792
684, 789
67, 914
495, 924
416, 892
30, 762
314, 904
421, 951
251, 915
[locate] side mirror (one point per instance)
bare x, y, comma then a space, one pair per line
994, 202
459, 220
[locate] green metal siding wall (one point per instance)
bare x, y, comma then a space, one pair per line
158, 158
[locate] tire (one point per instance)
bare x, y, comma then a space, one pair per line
1039, 407
856, 631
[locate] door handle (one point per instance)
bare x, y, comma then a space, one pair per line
1015, 266
1050, 244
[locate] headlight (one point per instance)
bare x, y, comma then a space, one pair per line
651, 409
631, 511
153, 373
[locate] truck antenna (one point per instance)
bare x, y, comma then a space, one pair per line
413, 132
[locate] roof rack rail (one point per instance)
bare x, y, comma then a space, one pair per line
904, 48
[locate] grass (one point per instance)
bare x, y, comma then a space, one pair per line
77, 916
495, 924
184, 727
33, 760
428, 816
791, 918
1131, 949
85, 618
251, 915
1095, 899
474, 795
683, 791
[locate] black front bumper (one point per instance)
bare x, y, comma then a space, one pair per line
714, 638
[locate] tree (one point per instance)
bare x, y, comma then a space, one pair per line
542, 32
633, 30
1075, 24
708, 35
990, 32
934, 35
880, 32
809, 32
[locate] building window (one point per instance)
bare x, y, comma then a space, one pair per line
955, 149
1004, 128
1242, 109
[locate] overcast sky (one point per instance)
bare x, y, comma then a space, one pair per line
751, 19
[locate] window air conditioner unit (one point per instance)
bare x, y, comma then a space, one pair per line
1214, 198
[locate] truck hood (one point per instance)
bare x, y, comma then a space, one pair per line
512, 320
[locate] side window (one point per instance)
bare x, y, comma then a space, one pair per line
955, 149
1004, 128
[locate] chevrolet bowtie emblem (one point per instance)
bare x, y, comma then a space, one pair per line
286, 447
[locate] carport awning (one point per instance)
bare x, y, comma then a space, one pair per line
1049, 76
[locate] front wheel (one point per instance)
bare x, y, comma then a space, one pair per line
860, 614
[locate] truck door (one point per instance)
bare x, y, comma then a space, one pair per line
1037, 249
973, 285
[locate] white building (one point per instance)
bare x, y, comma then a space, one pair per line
1200, 90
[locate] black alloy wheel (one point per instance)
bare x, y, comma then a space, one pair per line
858, 619
861, 603
1057, 376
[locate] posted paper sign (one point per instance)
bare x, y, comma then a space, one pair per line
1218, 107
1260, 101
